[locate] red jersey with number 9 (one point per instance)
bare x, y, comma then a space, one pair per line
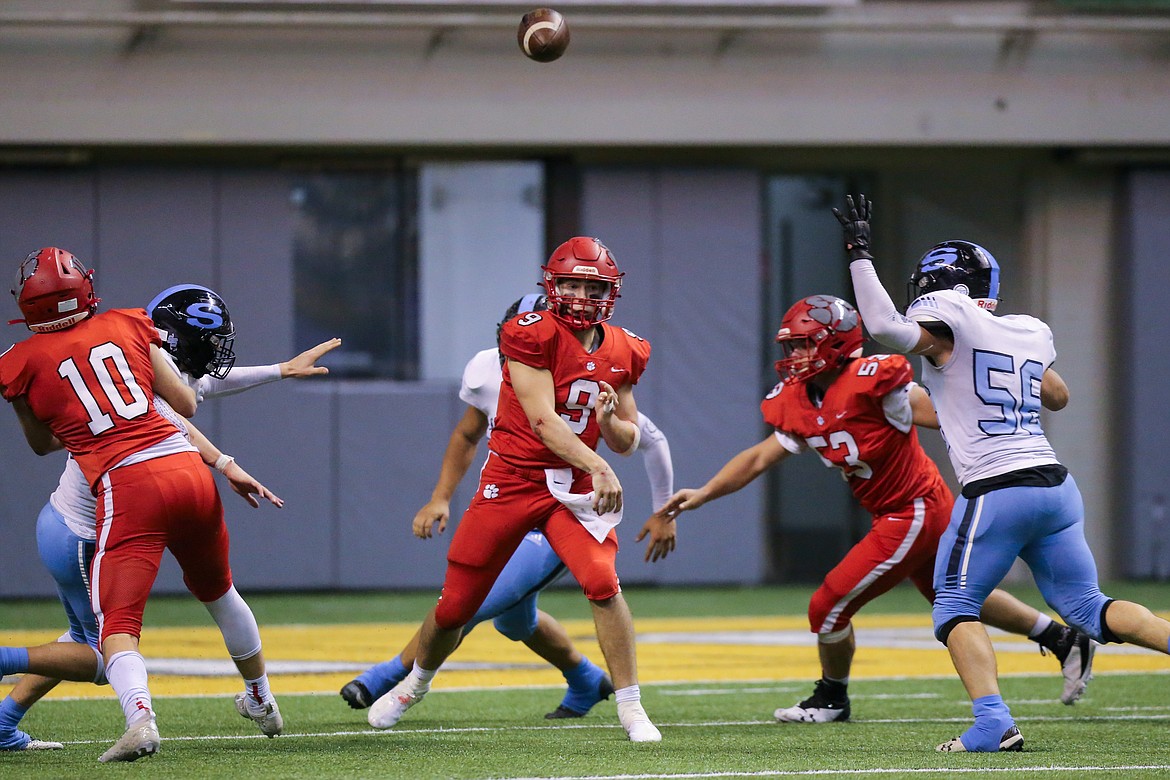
885, 467
539, 340
92, 385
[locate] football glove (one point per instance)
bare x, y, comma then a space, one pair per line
855, 222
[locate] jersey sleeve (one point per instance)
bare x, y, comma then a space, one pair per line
639, 355
528, 339
946, 306
481, 371
142, 325
893, 371
12, 375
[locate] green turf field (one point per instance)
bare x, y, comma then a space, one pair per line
715, 714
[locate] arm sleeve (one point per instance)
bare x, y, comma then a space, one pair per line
879, 313
239, 379
656, 458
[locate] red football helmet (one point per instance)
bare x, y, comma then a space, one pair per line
588, 259
826, 330
54, 290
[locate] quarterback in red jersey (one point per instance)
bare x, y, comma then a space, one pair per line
858, 414
84, 382
557, 400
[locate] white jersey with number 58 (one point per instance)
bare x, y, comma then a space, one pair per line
988, 394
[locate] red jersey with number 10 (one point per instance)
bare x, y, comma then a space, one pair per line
92, 385
540, 340
885, 467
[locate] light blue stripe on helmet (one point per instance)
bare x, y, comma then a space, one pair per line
177, 288
528, 302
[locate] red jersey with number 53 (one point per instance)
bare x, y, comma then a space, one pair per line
92, 385
884, 465
540, 340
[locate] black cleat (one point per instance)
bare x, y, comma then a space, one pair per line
824, 706
357, 695
1074, 650
604, 691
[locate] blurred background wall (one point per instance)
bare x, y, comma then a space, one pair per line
395, 173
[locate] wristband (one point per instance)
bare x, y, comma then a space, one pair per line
222, 462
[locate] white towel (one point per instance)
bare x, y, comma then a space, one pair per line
560, 483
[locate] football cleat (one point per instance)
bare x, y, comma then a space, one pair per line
1074, 650
357, 695
1011, 741
821, 707
141, 739
603, 691
267, 715
637, 723
18, 740
388, 710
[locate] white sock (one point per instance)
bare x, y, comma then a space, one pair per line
257, 689
419, 678
236, 623
629, 693
126, 672
1042, 623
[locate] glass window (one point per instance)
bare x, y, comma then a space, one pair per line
355, 261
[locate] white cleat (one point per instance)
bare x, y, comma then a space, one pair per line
389, 709
266, 716
42, 744
637, 723
140, 740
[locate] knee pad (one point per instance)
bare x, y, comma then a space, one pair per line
451, 613
833, 637
943, 632
600, 582
518, 623
818, 609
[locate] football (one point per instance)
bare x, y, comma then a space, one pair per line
543, 35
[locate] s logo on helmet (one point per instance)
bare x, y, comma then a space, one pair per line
204, 315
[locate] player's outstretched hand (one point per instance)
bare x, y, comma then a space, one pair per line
245, 485
662, 531
681, 501
305, 364
607, 492
855, 221
435, 511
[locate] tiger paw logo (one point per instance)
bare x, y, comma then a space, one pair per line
491, 490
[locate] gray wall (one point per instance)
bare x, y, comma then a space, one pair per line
355, 460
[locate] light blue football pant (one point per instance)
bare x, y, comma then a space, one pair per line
1044, 526
511, 603
67, 557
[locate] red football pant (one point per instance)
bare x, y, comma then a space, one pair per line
509, 502
163, 503
900, 545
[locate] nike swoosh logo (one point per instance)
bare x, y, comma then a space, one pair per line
616, 370
841, 414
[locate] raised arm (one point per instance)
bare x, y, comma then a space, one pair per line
535, 390
457, 459
882, 319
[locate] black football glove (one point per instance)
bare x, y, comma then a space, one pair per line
856, 221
